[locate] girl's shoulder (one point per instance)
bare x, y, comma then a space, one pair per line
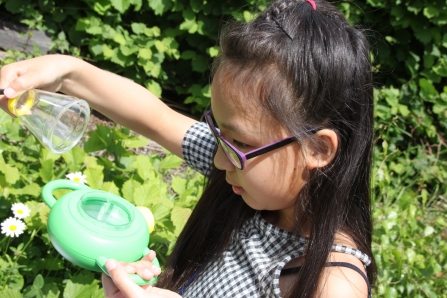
345, 273
344, 276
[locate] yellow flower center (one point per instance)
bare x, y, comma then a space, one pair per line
76, 179
20, 211
13, 228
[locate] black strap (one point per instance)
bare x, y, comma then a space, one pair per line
293, 270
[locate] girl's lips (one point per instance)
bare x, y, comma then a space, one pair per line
237, 189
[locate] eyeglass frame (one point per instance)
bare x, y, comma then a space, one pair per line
243, 157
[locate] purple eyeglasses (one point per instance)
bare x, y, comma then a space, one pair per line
237, 157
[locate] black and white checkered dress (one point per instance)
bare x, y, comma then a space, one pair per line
252, 265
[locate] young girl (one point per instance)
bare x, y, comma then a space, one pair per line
286, 148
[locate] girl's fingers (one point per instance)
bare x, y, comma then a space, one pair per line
121, 282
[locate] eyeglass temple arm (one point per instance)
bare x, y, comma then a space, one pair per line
270, 148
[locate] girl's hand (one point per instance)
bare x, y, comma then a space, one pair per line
45, 72
120, 285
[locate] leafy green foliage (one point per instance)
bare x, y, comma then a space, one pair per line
29, 265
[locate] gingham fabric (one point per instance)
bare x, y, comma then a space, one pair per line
252, 264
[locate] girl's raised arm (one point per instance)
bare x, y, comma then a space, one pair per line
118, 98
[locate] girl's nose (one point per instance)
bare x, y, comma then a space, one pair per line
222, 162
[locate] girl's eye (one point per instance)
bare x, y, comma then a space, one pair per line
240, 144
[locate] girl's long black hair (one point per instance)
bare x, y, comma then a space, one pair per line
312, 70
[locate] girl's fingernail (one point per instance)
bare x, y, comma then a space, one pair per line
148, 274
110, 265
9, 92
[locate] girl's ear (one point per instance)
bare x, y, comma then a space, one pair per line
322, 149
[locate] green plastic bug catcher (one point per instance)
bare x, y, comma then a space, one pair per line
88, 227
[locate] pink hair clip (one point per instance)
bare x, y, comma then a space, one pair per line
312, 2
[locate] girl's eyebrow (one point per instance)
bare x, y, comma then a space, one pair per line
228, 125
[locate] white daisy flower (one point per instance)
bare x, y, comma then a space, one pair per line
77, 177
13, 227
20, 210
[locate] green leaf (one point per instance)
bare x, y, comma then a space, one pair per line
144, 167
152, 32
47, 170
170, 161
119, 38
38, 282
154, 87
147, 193
74, 158
162, 210
108, 51
11, 293
95, 176
179, 216
136, 142
213, 51
145, 53
128, 189
76, 290
431, 12
428, 231
39, 215
120, 5
138, 28
32, 189
160, 6
178, 184
200, 63
110, 187
12, 174
188, 55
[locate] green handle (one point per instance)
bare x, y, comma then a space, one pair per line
47, 191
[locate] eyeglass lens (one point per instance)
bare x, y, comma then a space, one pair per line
229, 152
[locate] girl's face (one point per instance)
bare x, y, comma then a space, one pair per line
270, 181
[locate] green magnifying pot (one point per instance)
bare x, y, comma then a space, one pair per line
88, 227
